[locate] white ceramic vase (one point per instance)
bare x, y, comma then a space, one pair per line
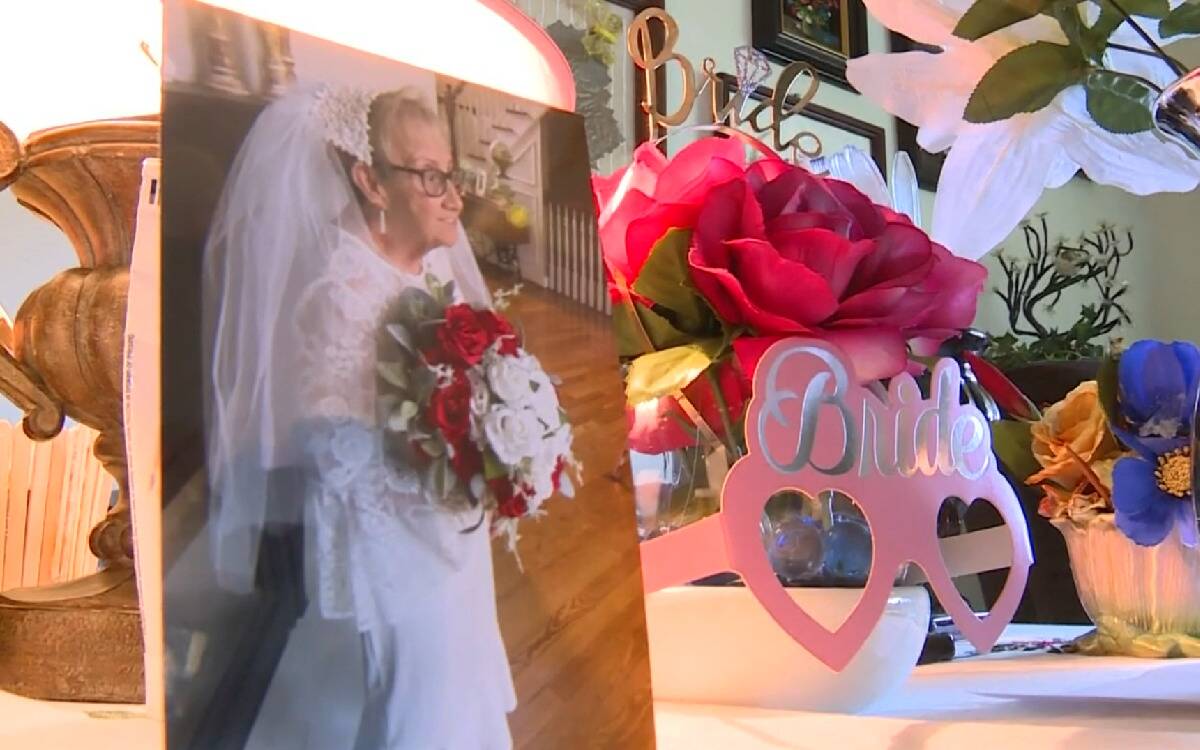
1145, 601
717, 645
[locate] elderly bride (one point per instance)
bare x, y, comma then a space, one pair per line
337, 202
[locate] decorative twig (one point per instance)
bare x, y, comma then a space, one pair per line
1174, 64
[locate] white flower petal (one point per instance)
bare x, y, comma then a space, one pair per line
928, 90
1140, 164
992, 178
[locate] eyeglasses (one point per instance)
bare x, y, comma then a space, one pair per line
433, 181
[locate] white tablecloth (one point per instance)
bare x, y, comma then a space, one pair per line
1008, 701
1014, 701
39, 725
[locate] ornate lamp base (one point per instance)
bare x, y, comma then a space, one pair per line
78, 641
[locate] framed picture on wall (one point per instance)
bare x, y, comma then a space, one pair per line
824, 33
927, 165
609, 87
836, 130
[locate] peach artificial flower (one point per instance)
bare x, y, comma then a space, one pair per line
1077, 423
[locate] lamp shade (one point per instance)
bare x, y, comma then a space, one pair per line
488, 42
68, 61
103, 62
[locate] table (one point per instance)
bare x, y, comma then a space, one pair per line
39, 725
1010, 701
1014, 701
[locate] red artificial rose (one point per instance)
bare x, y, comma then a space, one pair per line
779, 252
636, 203
462, 338
556, 476
796, 254
511, 500
500, 330
467, 461
450, 409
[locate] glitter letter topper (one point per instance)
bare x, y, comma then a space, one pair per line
810, 428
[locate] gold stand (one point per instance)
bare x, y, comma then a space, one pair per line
81, 640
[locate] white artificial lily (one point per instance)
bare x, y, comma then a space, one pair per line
995, 172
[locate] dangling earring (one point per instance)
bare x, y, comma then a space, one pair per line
383, 221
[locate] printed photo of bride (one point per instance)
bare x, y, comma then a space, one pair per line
395, 511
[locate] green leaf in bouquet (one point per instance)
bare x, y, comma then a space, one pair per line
401, 336
492, 468
1183, 20
666, 281
1118, 103
394, 373
440, 478
1013, 443
635, 322
433, 448
415, 306
986, 16
1108, 388
1025, 80
400, 418
664, 372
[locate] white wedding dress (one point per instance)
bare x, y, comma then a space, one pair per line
400, 646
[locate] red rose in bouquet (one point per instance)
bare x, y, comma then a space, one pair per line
499, 329
511, 500
450, 409
462, 338
706, 255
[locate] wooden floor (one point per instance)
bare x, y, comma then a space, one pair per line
574, 621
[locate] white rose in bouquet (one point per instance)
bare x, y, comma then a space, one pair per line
544, 399
513, 434
555, 446
509, 378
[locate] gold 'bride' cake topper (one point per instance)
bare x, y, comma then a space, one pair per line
653, 48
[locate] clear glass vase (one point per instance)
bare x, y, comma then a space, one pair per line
820, 542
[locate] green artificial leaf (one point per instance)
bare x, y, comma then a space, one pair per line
1012, 441
634, 322
1146, 8
662, 373
492, 468
400, 417
1183, 20
1025, 80
401, 335
665, 280
1098, 35
986, 16
1091, 40
1073, 27
394, 373
433, 447
1108, 389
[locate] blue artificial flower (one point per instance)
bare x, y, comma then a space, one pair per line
1152, 491
1158, 383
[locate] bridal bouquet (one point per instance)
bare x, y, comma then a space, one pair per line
463, 401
